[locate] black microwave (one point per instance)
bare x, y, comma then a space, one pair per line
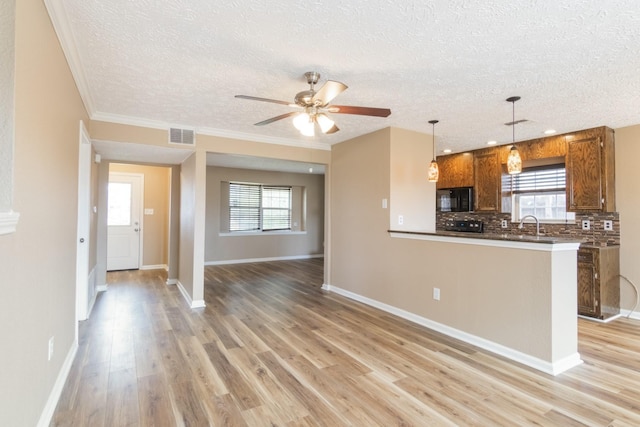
454, 199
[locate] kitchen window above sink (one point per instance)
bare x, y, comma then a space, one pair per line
539, 191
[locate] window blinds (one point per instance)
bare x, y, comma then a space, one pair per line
254, 207
244, 207
539, 179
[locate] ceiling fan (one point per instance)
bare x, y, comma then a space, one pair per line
315, 106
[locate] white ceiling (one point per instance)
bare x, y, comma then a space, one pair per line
575, 63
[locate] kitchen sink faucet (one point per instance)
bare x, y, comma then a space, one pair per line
536, 220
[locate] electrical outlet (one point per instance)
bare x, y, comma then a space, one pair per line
607, 224
586, 224
504, 223
400, 220
436, 294
50, 354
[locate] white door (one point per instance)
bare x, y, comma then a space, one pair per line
84, 291
124, 221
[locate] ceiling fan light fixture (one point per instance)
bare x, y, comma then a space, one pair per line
304, 123
300, 121
324, 122
514, 161
434, 172
308, 130
315, 105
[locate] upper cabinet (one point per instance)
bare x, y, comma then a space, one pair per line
487, 172
589, 157
456, 170
590, 164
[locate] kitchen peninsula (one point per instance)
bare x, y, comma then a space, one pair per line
514, 295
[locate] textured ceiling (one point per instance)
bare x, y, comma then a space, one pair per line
576, 63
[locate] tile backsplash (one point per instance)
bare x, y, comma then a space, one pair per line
596, 235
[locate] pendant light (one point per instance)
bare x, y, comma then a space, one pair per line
514, 162
433, 172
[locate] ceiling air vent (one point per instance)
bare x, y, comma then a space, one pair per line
182, 136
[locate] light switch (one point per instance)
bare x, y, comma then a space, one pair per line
148, 211
384, 203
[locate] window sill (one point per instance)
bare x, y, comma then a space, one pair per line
8, 222
260, 233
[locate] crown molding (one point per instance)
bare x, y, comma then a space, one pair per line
61, 25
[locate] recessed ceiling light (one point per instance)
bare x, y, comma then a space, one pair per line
446, 150
549, 131
492, 142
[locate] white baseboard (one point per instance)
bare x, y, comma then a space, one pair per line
607, 320
193, 304
248, 260
54, 396
102, 288
155, 267
172, 281
630, 314
554, 368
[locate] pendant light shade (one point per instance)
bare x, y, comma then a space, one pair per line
514, 162
433, 172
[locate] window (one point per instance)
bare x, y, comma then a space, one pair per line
119, 204
254, 207
540, 191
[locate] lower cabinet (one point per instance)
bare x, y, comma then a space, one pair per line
599, 281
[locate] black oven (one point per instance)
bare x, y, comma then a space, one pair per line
454, 199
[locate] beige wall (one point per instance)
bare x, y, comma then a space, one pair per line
37, 267
156, 197
187, 222
192, 227
215, 144
7, 84
628, 205
227, 248
360, 179
412, 196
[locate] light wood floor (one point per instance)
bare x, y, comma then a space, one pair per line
271, 348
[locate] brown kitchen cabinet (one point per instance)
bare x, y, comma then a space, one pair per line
456, 170
590, 166
598, 281
487, 172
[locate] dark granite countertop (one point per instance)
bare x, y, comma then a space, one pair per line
494, 236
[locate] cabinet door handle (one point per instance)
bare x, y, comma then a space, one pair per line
595, 275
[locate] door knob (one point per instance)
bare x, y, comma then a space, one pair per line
135, 229
82, 240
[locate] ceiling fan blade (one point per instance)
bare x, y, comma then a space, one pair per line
363, 111
328, 91
333, 129
275, 119
274, 101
